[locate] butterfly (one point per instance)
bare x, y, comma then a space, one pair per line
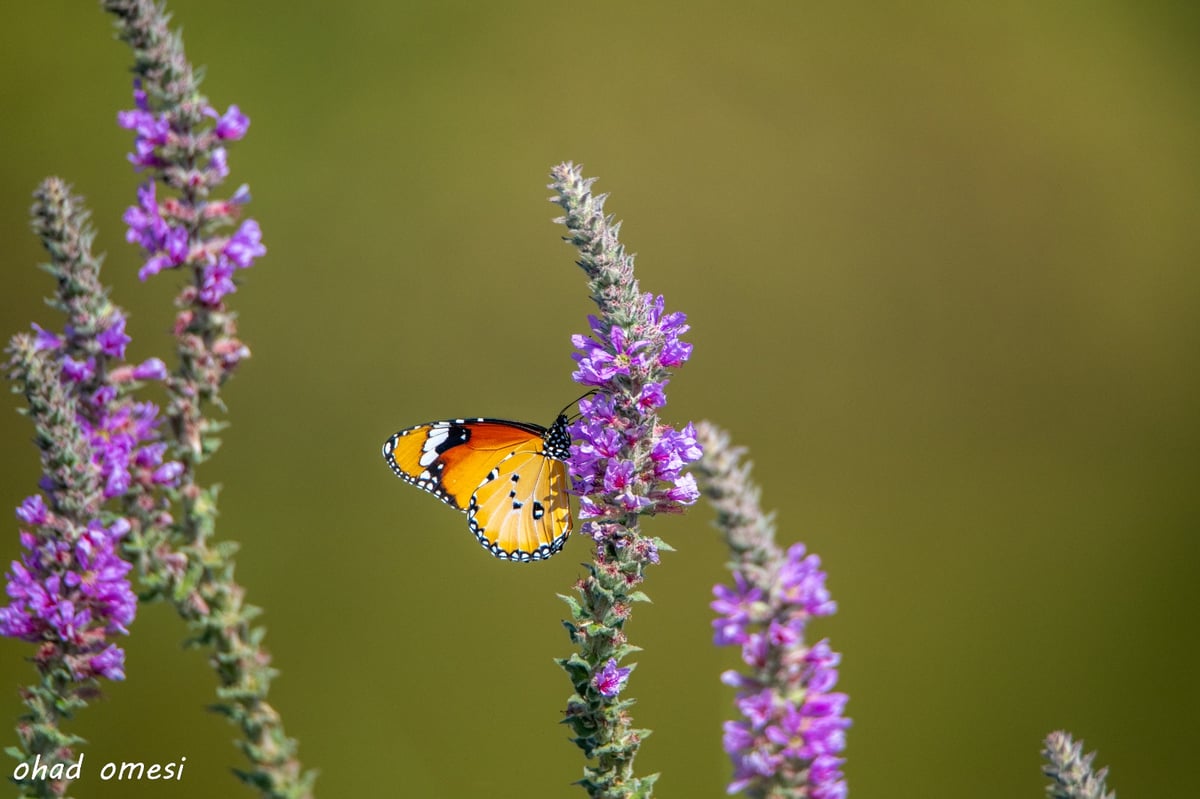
510, 479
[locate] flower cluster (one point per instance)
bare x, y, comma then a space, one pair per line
792, 728
170, 231
623, 460
70, 591
612, 474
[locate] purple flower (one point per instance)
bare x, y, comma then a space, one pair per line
168, 473
245, 245
672, 351
78, 371
606, 356
218, 165
683, 492
175, 245
113, 339
756, 650
150, 132
116, 438
757, 707
610, 680
801, 583
217, 281
151, 455
72, 595
232, 125
47, 340
146, 225
737, 736
110, 663
32, 510
145, 125
618, 475
150, 369
652, 396
736, 607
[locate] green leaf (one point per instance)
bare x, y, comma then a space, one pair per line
573, 604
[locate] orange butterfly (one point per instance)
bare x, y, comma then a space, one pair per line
508, 477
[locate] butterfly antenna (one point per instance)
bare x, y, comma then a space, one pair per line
576, 402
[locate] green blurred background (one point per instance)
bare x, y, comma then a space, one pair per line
941, 266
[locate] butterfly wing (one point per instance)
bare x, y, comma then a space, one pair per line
450, 459
521, 511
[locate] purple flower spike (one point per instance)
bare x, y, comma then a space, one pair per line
624, 462
794, 727
611, 679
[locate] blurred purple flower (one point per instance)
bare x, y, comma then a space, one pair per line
78, 371
150, 369
793, 727
245, 245
113, 339
232, 125
45, 339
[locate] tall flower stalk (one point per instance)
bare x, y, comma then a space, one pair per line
183, 223
788, 741
70, 591
625, 463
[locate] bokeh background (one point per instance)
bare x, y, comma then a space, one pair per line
941, 266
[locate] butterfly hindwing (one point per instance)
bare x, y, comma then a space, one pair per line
449, 459
521, 510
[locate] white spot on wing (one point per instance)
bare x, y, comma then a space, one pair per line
437, 437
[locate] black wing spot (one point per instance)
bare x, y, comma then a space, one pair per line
517, 505
539, 510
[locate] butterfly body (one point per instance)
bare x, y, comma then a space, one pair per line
508, 477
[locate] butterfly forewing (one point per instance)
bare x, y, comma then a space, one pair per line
521, 510
450, 458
